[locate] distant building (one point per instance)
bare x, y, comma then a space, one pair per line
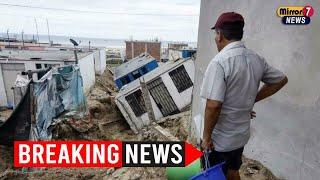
177, 45
135, 48
170, 88
175, 54
134, 69
13, 62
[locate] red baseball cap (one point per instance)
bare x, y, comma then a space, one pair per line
229, 21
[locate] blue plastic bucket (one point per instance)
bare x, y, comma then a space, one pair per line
213, 173
184, 173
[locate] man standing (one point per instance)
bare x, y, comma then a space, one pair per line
231, 88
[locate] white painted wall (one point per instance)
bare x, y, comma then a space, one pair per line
184, 98
100, 60
285, 135
87, 70
134, 122
103, 60
174, 54
3, 96
97, 63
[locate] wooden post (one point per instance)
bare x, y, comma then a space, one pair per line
32, 112
147, 100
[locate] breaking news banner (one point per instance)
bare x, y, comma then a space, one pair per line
103, 154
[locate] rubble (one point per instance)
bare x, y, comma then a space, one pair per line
177, 124
5, 114
254, 170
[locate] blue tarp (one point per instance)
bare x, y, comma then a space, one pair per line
59, 91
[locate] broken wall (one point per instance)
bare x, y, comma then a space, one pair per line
87, 69
285, 135
3, 96
100, 60
103, 60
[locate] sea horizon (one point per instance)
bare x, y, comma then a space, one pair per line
84, 41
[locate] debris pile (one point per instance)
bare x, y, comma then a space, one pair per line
254, 170
104, 120
177, 124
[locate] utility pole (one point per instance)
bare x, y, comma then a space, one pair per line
75, 44
48, 31
22, 39
147, 100
8, 37
35, 20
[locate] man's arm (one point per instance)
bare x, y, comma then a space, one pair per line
270, 89
212, 112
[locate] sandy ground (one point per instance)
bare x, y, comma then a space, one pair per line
105, 122
4, 114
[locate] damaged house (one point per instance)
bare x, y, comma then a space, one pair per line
134, 69
168, 87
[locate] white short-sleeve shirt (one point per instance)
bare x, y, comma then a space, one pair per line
233, 77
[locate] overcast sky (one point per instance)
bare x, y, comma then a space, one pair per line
142, 19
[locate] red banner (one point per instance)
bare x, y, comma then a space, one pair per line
103, 154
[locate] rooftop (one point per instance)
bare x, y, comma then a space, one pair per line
156, 41
40, 55
151, 75
46, 46
133, 64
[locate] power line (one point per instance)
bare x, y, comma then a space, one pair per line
96, 12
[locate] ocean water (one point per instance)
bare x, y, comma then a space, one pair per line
84, 41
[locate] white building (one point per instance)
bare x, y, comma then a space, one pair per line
13, 62
174, 54
169, 86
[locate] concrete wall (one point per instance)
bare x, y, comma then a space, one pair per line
87, 70
97, 63
174, 54
100, 60
3, 97
285, 136
103, 60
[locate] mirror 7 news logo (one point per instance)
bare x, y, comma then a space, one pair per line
295, 15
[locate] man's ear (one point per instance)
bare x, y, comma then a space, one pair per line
220, 36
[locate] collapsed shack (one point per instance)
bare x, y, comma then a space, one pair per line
162, 92
58, 91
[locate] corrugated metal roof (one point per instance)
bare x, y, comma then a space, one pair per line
43, 55
132, 65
